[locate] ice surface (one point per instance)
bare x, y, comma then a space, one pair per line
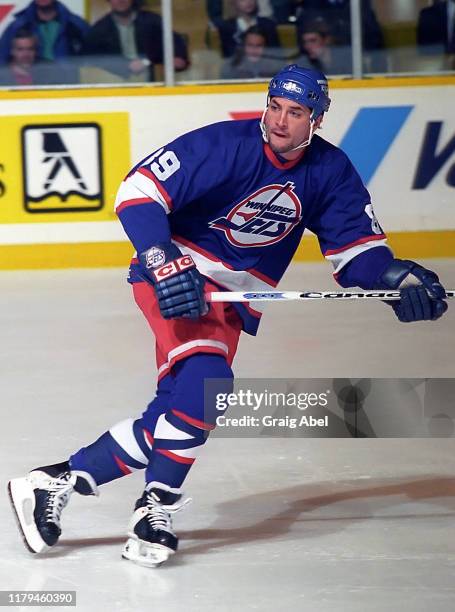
300, 524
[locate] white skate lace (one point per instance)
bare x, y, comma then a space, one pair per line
59, 492
159, 515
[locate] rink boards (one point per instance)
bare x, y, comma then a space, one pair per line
63, 154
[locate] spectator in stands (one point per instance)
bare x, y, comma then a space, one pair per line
217, 9
279, 10
436, 28
59, 32
129, 41
319, 52
337, 15
231, 30
23, 68
250, 60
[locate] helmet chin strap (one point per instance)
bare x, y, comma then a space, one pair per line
302, 145
306, 142
262, 126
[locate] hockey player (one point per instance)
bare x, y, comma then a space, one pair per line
220, 208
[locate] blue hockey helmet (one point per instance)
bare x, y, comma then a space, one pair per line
303, 85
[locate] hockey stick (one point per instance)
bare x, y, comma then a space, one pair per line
274, 296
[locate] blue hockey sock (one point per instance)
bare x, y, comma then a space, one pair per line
182, 430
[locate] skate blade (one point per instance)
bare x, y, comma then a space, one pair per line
146, 554
22, 500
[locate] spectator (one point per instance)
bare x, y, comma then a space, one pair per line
337, 15
319, 53
23, 69
436, 28
129, 41
280, 10
250, 60
59, 32
231, 30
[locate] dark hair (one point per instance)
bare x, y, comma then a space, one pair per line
318, 25
254, 30
24, 33
136, 4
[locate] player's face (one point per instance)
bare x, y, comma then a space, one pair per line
288, 125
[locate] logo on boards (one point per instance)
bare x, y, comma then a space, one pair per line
62, 167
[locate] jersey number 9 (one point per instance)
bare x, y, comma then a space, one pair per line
166, 164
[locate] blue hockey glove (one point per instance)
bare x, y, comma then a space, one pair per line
422, 295
178, 284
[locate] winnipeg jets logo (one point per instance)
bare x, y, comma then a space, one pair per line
263, 218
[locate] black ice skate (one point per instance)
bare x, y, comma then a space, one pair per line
151, 540
39, 498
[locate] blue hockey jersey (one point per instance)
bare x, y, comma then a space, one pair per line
222, 195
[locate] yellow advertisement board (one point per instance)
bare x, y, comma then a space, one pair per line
62, 168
